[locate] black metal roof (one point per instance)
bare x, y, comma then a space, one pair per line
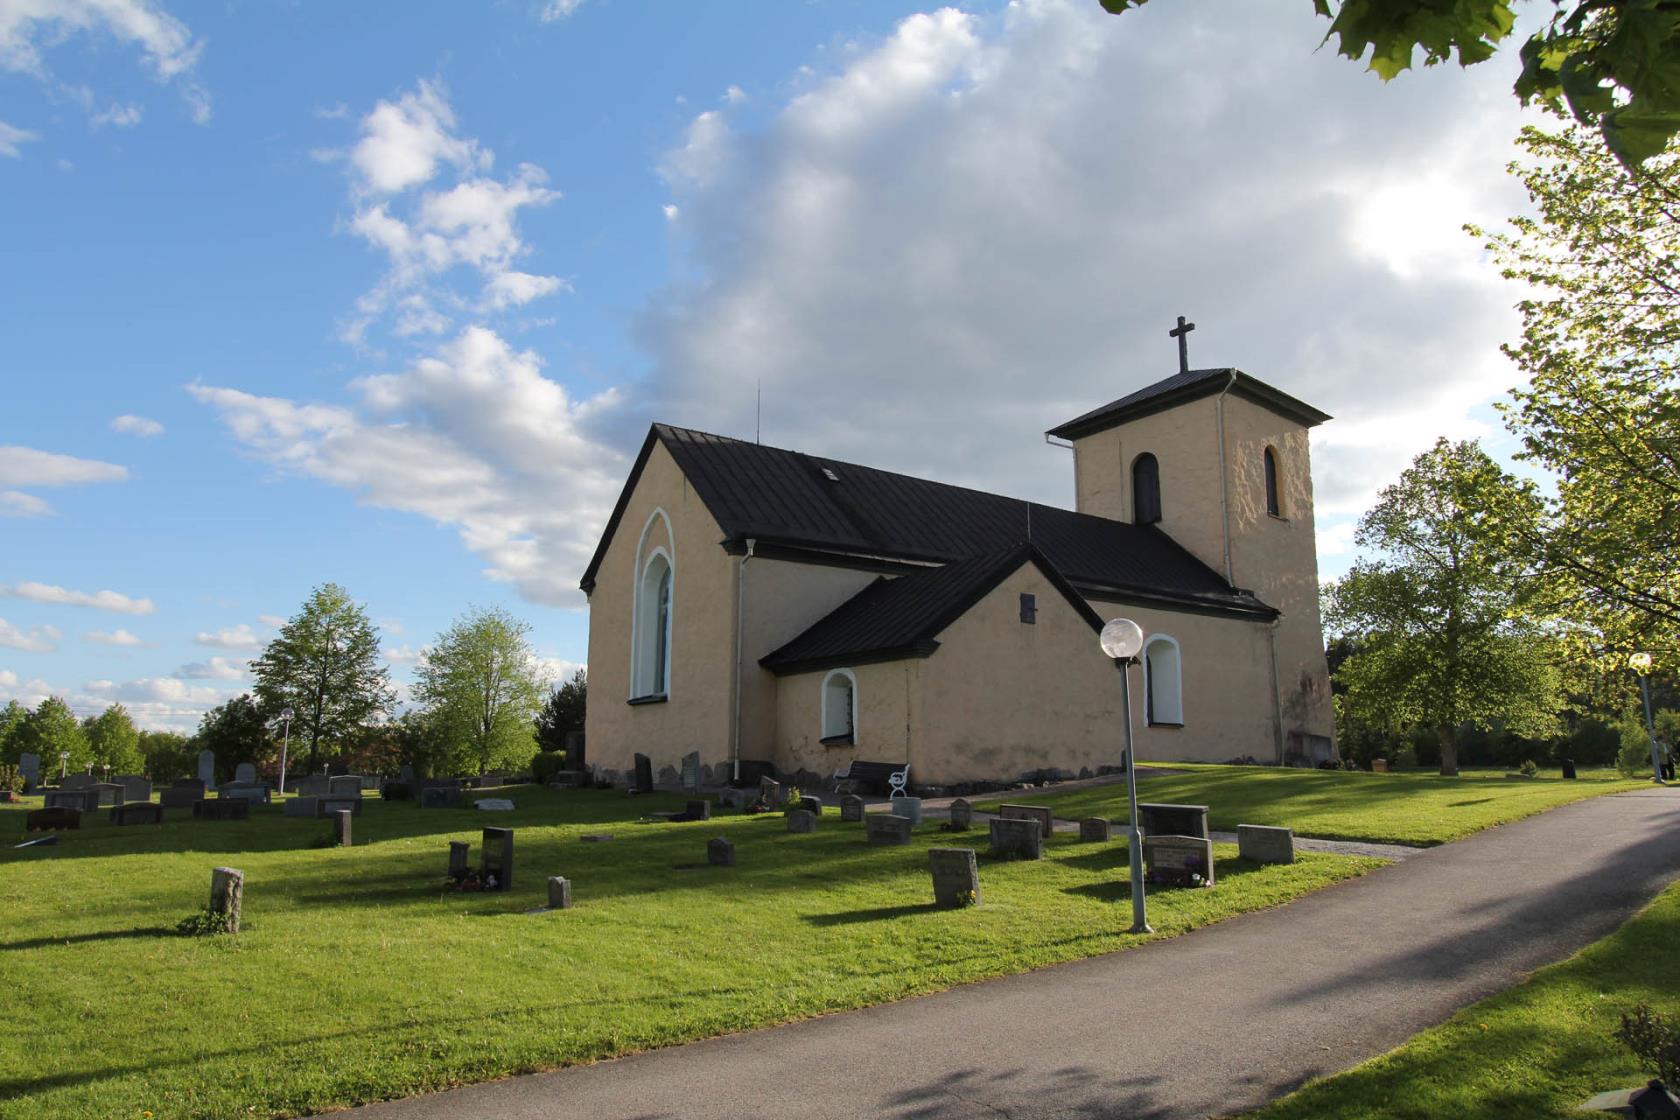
896, 618
1188, 386
848, 512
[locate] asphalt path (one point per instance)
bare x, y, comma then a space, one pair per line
1210, 1023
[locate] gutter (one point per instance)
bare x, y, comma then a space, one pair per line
740, 640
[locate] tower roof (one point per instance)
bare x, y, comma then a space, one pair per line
1182, 388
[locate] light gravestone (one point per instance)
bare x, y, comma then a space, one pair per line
720, 852
956, 877
801, 820
1178, 861
886, 828
771, 793
313, 786
691, 772
907, 807
1264, 844
559, 893
1017, 838
245, 774
345, 785
207, 768
1043, 814
29, 765
341, 826
851, 808
227, 894
962, 815
1095, 830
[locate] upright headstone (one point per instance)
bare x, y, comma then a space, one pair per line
227, 894
1264, 844
137, 812
29, 765
1173, 820
345, 785
1178, 861
700, 810
851, 808
1043, 814
644, 774
406, 774
956, 876
458, 852
886, 828
691, 772
222, 809
559, 893
495, 859
341, 826
907, 807
51, 817
1095, 830
962, 815
1569, 769
180, 797
78, 781
770, 792
314, 786
720, 852
111, 794
207, 768
245, 774
135, 787
801, 820
1017, 838
81, 800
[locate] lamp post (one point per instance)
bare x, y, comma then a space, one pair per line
285, 741
63, 765
1641, 664
1122, 639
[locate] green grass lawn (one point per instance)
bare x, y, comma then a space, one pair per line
1409, 808
1535, 1051
359, 978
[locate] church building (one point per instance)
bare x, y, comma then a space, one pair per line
756, 604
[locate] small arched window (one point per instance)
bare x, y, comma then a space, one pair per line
653, 627
1163, 682
1273, 506
839, 707
1146, 490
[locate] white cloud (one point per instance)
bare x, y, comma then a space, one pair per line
25, 466
558, 670
113, 638
28, 28
404, 655
558, 9
100, 600
11, 136
515, 289
216, 668
273, 621
671, 212
231, 637
15, 503
40, 639
117, 116
734, 95
136, 425
404, 142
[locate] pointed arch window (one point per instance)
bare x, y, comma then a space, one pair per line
1273, 506
839, 707
652, 638
1163, 682
1146, 490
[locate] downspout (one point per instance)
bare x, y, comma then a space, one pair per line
740, 640
1224, 483
1277, 696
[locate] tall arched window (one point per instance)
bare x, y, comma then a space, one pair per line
839, 707
1146, 490
1272, 505
652, 639
1163, 682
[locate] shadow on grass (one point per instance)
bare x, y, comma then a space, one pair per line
874, 914
84, 938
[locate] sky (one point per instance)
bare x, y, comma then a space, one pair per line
387, 294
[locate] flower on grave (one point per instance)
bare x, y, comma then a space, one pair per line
967, 898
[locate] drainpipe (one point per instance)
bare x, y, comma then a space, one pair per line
1277, 695
740, 640
1224, 483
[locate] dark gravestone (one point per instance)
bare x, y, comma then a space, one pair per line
495, 859
111, 794
1173, 820
458, 851
956, 876
207, 767
1043, 814
137, 812
1569, 768
440, 797
189, 783
182, 797
78, 781
812, 805
801, 820
1178, 861
1017, 838
135, 787
559, 893
82, 800
720, 852
962, 815
245, 774
58, 816
406, 774
884, 828
29, 765
223, 809
851, 808
1095, 830
699, 811
313, 786
644, 774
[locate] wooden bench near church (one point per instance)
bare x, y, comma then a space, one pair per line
894, 777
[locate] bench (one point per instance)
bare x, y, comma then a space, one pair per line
895, 776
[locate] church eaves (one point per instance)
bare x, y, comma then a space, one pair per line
1182, 388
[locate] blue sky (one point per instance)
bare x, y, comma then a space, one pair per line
387, 294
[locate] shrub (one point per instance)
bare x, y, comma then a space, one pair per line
1654, 1040
11, 778
1634, 757
205, 923
1528, 769
545, 765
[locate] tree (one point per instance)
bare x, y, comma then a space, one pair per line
113, 740
168, 755
238, 732
1614, 63
324, 665
11, 718
51, 730
1438, 618
482, 682
1602, 407
563, 712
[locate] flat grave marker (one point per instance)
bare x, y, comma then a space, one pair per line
137, 812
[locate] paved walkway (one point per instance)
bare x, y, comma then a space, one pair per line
1214, 1022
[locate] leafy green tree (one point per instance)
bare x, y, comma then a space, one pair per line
1614, 63
11, 718
324, 665
1601, 411
113, 740
50, 730
238, 732
481, 681
1437, 618
563, 712
168, 755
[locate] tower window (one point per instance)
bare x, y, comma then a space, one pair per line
1146, 490
1272, 505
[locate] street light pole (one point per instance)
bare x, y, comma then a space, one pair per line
1641, 664
1122, 639
285, 741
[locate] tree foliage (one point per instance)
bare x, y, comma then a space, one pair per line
1601, 411
1437, 617
1615, 64
563, 712
238, 732
50, 730
168, 755
481, 682
113, 740
324, 664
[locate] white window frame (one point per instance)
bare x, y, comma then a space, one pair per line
1152, 713
824, 725
640, 679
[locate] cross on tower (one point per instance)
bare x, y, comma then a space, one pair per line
1182, 332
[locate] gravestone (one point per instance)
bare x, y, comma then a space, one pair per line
1264, 844
495, 859
137, 812
52, 817
307, 807
644, 774
406, 774
29, 765
207, 768
180, 797
962, 815
886, 828
222, 809
227, 894
771, 793
110, 794
489, 780
458, 850
1379, 766
851, 808
81, 800
1178, 861
801, 820
193, 784
233, 791
78, 781
326, 806
313, 786
691, 772
1095, 830
135, 787
1017, 838
732, 798
494, 805
699, 810
245, 774
341, 826
1043, 814
440, 797
1569, 769
559, 893
956, 876
720, 852
1173, 820
907, 807
345, 785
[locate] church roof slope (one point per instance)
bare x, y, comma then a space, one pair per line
841, 509
1184, 387
902, 617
